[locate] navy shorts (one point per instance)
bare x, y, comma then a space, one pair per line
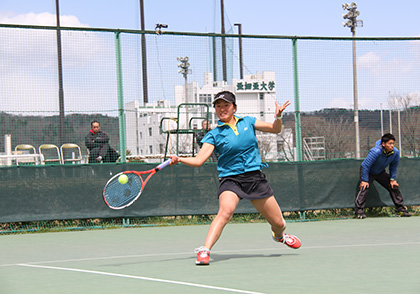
251, 185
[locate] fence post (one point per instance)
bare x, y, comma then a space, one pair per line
8, 148
298, 132
121, 114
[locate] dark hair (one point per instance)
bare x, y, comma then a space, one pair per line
385, 138
225, 95
94, 121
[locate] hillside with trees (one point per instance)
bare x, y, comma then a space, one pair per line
37, 130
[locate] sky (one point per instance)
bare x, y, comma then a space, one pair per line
265, 17
272, 17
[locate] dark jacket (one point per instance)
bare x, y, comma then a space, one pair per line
95, 140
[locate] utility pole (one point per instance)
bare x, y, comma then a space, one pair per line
222, 11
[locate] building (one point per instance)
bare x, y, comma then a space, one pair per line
143, 133
255, 96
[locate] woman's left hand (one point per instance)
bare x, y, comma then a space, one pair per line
280, 109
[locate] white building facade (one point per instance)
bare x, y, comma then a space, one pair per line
143, 134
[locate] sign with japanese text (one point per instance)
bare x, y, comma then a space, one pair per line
257, 86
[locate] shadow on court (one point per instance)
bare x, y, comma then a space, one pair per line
375, 255
223, 257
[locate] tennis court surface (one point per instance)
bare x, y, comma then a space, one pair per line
375, 255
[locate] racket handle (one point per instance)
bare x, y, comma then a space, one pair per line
164, 164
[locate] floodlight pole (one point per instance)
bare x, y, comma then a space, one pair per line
355, 96
60, 76
352, 24
184, 71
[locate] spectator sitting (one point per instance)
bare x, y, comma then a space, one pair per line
97, 142
205, 128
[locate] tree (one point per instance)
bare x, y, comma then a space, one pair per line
266, 145
410, 121
338, 134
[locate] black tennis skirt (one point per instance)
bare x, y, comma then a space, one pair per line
251, 185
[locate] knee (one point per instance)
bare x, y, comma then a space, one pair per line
225, 214
282, 225
94, 153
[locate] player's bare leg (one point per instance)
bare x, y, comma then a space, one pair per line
270, 210
227, 205
228, 201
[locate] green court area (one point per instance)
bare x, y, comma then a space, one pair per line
375, 255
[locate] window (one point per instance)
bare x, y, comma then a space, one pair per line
150, 132
204, 98
151, 149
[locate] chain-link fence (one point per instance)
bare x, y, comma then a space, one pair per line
129, 81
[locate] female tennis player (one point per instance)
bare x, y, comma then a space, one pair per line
239, 167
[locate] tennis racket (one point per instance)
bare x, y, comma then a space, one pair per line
119, 196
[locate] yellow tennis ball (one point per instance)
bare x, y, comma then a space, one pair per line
123, 179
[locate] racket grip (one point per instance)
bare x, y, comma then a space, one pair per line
164, 164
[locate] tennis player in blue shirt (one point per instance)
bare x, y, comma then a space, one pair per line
384, 154
239, 167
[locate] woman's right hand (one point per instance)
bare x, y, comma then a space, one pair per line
175, 159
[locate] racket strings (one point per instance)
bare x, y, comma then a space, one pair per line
120, 195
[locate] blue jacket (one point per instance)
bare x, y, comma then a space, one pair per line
377, 160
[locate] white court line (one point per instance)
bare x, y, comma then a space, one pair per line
215, 252
362, 245
140, 278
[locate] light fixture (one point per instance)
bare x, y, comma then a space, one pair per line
351, 15
159, 27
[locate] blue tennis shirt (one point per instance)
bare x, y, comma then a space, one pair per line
236, 145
